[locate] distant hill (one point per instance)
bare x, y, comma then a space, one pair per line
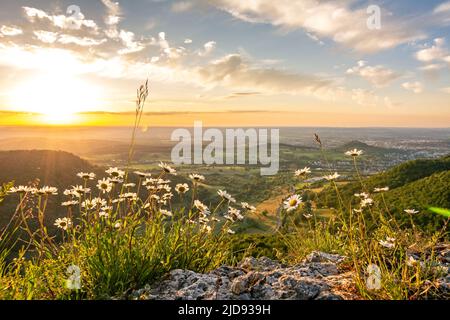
368, 149
420, 195
414, 184
53, 168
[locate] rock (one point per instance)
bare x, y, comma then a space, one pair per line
317, 277
317, 256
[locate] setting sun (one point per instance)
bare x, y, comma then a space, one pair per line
55, 96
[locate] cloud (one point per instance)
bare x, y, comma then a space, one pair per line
112, 18
442, 8
168, 52
336, 20
182, 6
446, 90
10, 31
131, 46
416, 86
114, 11
378, 75
61, 21
207, 48
232, 72
46, 36
81, 41
52, 37
435, 52
187, 41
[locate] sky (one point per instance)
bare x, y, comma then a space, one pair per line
226, 62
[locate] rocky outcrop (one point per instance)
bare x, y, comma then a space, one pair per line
318, 277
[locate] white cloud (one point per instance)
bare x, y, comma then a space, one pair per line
46, 36
10, 31
377, 75
131, 46
207, 48
232, 72
443, 8
187, 41
81, 41
435, 52
113, 17
432, 67
52, 37
416, 86
336, 20
60, 21
167, 51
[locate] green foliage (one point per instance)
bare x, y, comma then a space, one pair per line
416, 184
258, 245
442, 212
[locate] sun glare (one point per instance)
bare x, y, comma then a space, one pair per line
56, 97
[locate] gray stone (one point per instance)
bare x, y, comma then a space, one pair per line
254, 279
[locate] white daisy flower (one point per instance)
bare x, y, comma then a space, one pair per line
225, 195
129, 185
80, 190
163, 187
411, 211
20, 189
86, 176
115, 173
302, 172
308, 216
411, 261
388, 243
167, 169
196, 177
234, 214
129, 196
362, 195
155, 197
333, 176
166, 213
201, 207
292, 202
47, 191
167, 196
103, 214
366, 202
378, 190
142, 174
105, 185
182, 188
354, 153
248, 207
63, 223
229, 231
69, 203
